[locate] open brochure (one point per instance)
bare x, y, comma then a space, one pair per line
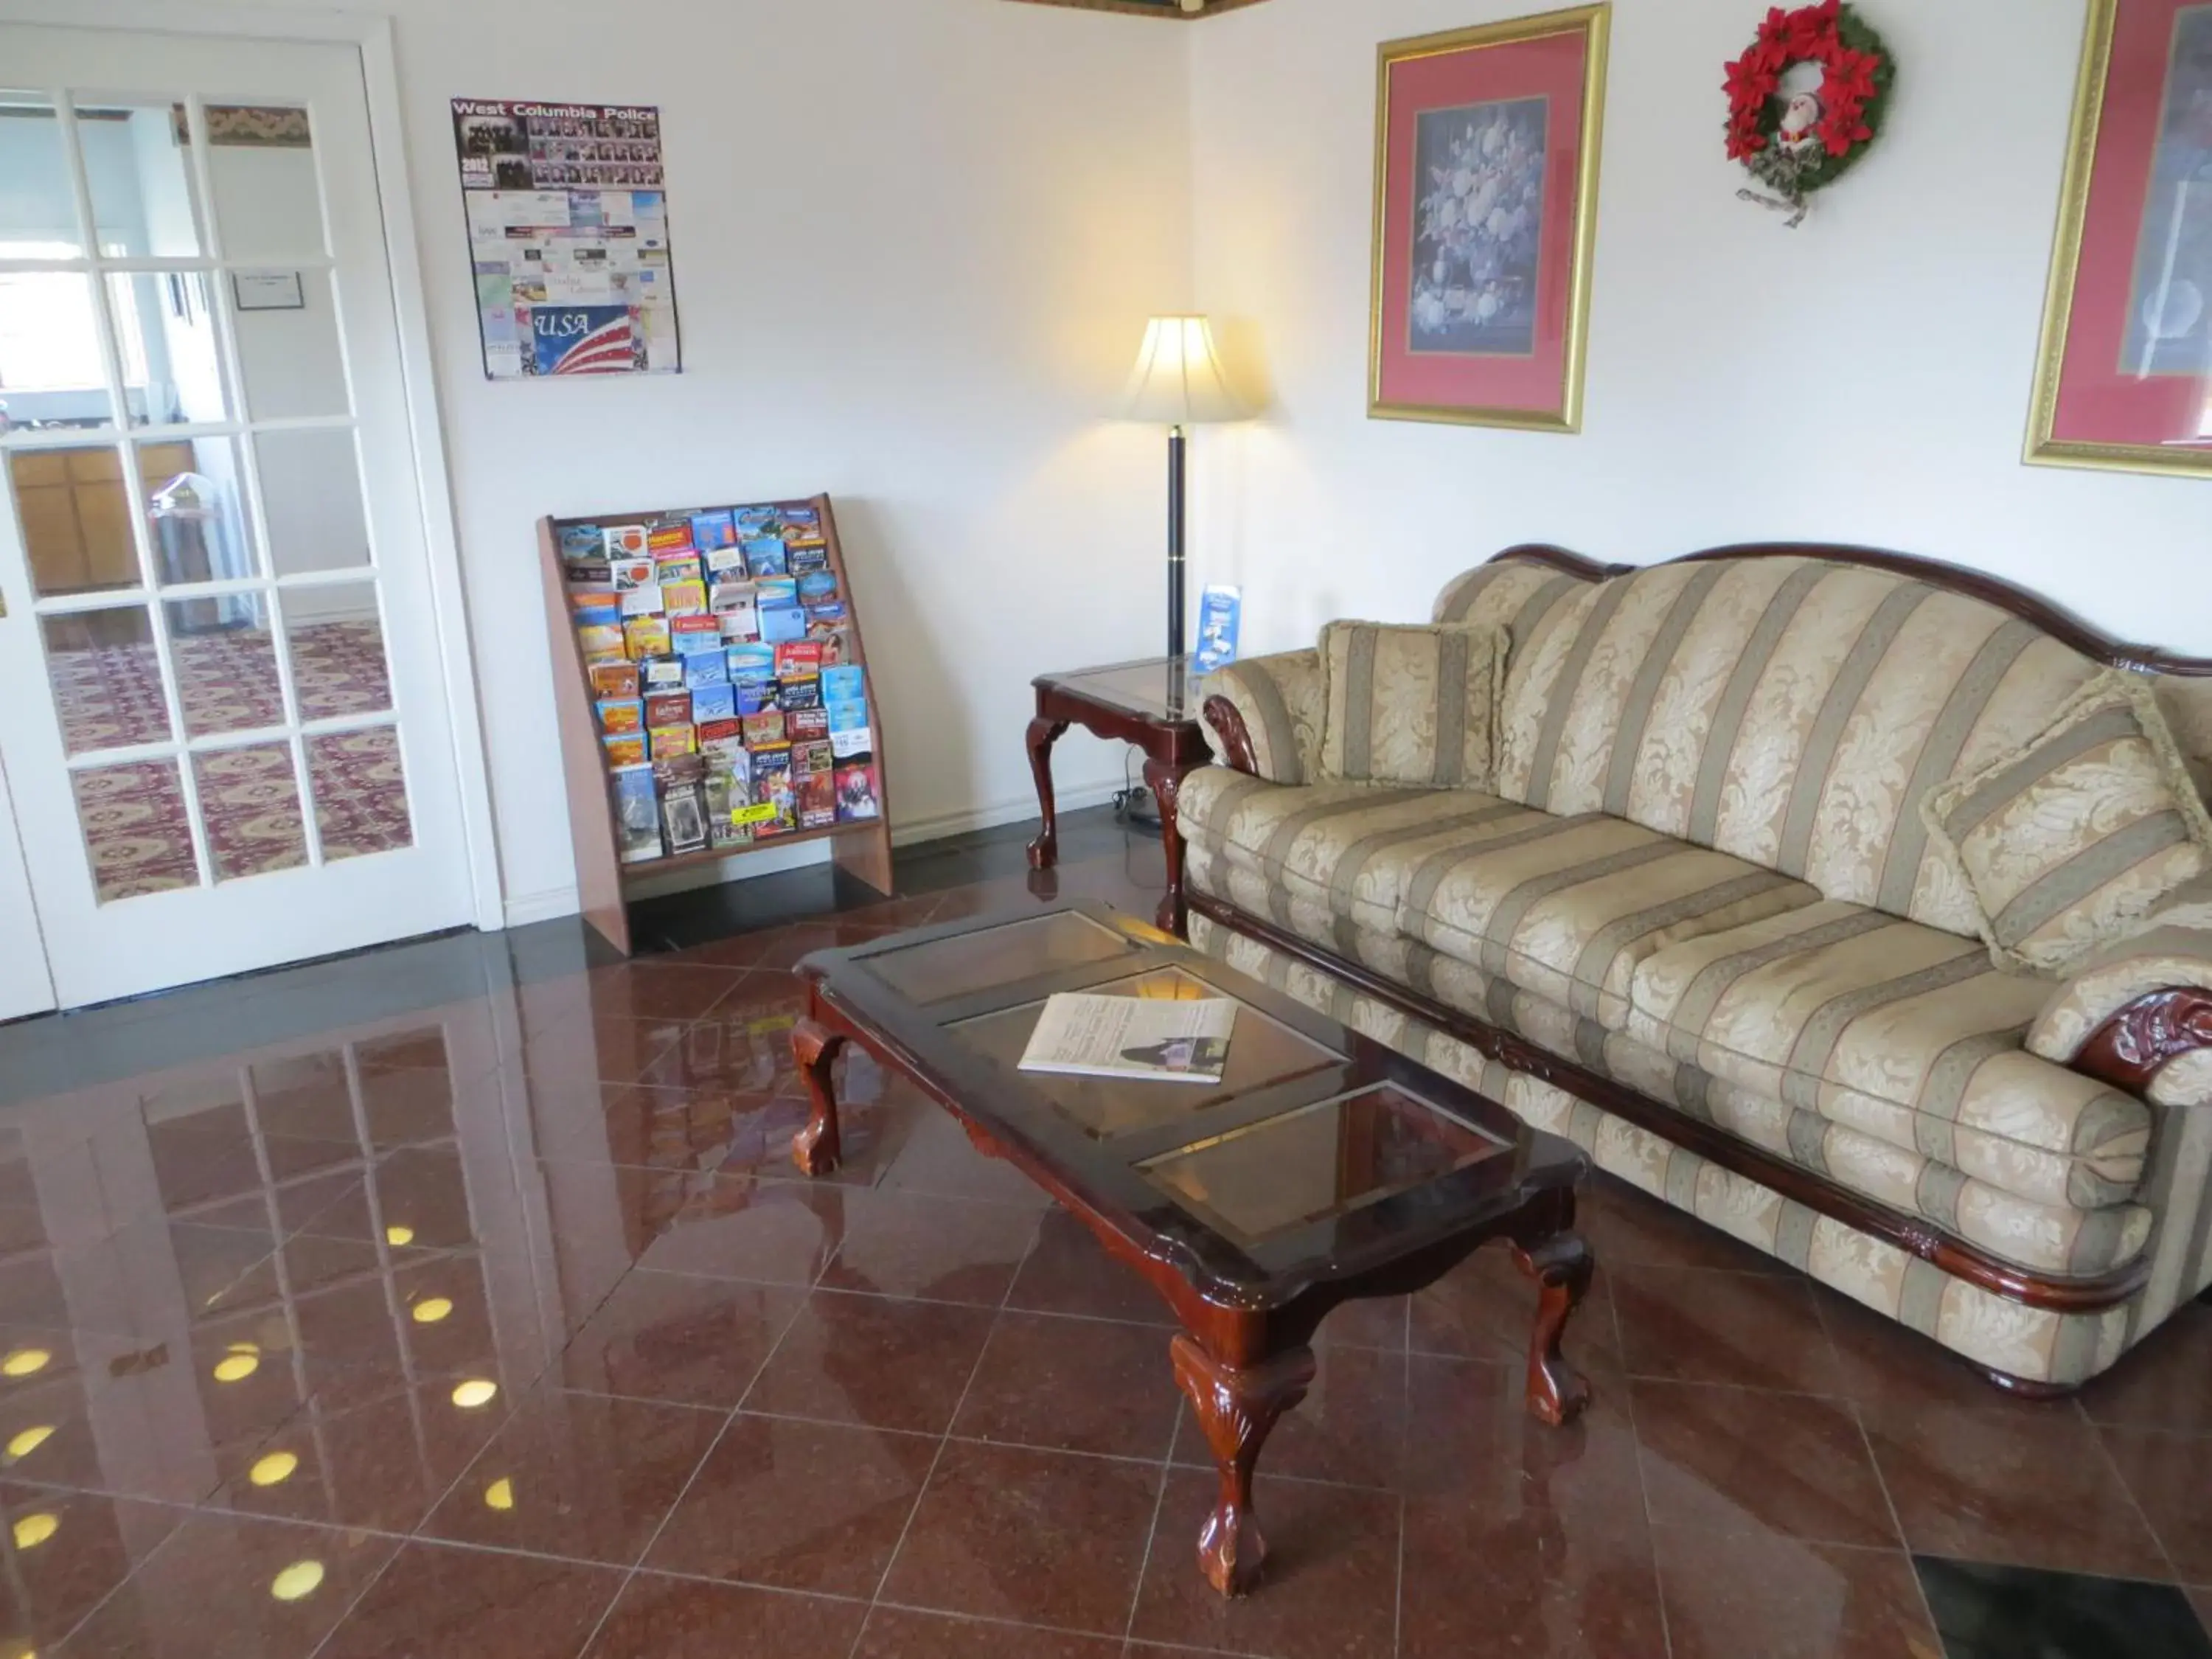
1131, 1037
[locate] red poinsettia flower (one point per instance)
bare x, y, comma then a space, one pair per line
1768, 56
1747, 85
1839, 135
1825, 18
1850, 74
1809, 31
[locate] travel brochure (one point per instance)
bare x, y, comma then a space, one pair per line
731, 702
568, 221
1150, 1039
1221, 610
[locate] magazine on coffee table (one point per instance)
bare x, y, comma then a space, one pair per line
1135, 1038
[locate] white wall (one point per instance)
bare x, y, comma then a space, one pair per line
916, 241
1865, 378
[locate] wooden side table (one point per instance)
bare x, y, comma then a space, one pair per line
1152, 704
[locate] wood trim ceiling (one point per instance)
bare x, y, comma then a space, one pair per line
1168, 11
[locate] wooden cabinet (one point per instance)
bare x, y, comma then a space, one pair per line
76, 514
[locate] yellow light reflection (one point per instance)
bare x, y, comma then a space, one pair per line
23, 1361
273, 1469
34, 1529
399, 1235
28, 1441
301, 1578
1171, 988
499, 1495
431, 1310
476, 1391
240, 1363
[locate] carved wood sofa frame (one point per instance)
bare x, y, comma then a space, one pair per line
2124, 1053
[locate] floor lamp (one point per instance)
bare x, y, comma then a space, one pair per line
1179, 382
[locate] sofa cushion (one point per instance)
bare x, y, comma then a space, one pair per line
1349, 847
1409, 705
1932, 1064
1567, 907
2070, 842
1960, 1200
1906, 1034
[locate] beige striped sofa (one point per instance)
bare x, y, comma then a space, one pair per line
1694, 922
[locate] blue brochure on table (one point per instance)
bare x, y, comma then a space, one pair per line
1220, 612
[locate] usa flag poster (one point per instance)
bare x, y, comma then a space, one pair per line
567, 218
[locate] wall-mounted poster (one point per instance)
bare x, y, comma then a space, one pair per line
2126, 373
1486, 209
568, 222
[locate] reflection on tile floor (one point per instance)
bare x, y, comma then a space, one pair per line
501, 1324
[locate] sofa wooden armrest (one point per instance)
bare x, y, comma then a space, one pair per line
2138, 1014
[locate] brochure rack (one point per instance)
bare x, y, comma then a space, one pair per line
859, 847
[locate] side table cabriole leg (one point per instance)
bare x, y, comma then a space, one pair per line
815, 1148
1237, 1408
1561, 1264
1044, 851
1164, 781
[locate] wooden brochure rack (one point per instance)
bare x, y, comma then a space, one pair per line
861, 847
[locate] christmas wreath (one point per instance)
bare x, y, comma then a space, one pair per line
1797, 143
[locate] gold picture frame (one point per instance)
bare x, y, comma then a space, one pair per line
2094, 162
1594, 24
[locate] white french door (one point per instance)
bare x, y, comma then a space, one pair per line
225, 735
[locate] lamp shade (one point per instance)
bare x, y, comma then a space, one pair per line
1179, 379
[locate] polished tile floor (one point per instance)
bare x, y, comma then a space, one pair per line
462, 1300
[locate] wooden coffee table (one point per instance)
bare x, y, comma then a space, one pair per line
1323, 1168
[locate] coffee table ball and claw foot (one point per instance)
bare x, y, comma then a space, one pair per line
1322, 1169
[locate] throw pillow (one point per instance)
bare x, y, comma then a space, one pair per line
2069, 842
1414, 705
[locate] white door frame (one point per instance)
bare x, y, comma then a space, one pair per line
26, 985
371, 33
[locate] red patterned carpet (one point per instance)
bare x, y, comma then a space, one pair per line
109, 694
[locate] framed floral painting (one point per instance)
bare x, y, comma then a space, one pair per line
2125, 379
1486, 209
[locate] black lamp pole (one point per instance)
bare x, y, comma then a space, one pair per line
1175, 541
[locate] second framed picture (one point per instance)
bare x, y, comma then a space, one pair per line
2125, 379
1485, 212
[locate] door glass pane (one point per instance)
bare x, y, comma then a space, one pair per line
288, 351
226, 660
36, 166
165, 336
194, 511
311, 498
250, 803
337, 651
136, 161
361, 793
52, 373
261, 161
75, 520
106, 679
135, 829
